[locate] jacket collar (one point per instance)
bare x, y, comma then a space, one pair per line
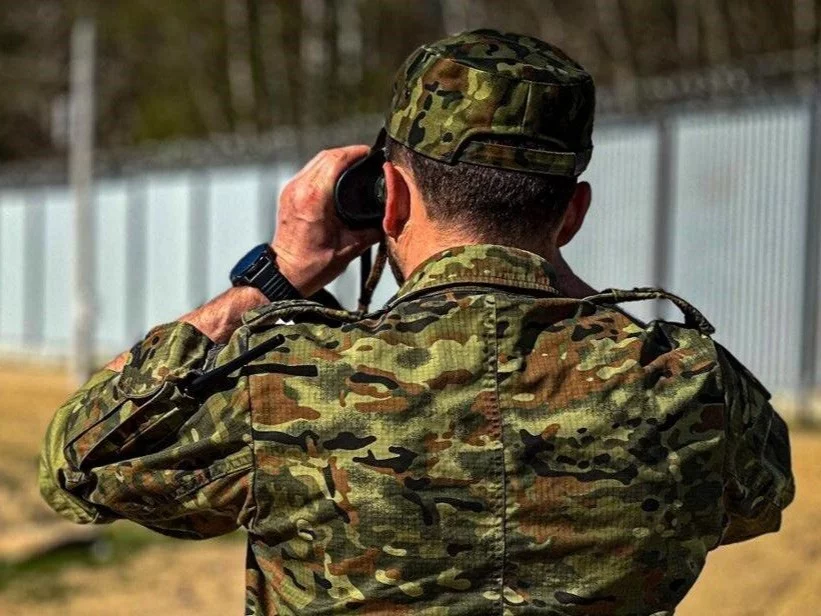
481, 264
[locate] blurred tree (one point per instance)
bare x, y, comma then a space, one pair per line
33, 74
198, 68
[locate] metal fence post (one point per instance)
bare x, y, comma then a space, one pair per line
81, 169
812, 269
662, 232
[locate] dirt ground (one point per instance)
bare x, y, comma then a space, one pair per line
131, 571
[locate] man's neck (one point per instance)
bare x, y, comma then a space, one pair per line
566, 279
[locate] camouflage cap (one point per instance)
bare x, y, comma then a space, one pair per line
453, 96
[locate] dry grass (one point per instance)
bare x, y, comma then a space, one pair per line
142, 573
130, 571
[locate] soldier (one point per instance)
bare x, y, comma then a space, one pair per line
498, 439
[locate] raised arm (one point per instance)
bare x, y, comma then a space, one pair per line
138, 442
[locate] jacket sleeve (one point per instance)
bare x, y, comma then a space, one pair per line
759, 482
138, 445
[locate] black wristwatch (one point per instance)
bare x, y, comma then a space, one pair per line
259, 269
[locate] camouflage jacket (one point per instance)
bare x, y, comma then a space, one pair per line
481, 445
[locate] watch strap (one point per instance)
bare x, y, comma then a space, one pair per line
262, 273
274, 285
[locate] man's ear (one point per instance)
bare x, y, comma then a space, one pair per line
575, 213
397, 201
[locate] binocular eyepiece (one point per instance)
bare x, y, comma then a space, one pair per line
359, 195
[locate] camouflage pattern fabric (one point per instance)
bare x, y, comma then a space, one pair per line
482, 445
449, 97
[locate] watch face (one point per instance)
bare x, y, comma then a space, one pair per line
241, 269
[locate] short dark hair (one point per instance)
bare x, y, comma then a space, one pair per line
499, 206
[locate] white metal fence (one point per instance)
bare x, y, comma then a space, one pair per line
720, 206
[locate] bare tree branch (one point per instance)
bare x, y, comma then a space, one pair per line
239, 66
611, 23
349, 41
804, 25
455, 16
687, 32
256, 60
313, 59
715, 32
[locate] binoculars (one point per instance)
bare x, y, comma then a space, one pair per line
359, 195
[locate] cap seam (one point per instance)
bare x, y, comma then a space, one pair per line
410, 147
586, 79
469, 162
535, 170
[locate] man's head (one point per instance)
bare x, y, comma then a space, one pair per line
486, 135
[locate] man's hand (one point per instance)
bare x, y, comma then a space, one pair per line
312, 245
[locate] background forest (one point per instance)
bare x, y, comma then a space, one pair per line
197, 68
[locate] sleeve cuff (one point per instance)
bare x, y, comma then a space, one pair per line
169, 352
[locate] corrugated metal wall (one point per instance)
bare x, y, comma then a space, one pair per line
738, 247
615, 247
734, 245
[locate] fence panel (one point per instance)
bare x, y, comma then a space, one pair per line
56, 257
168, 233
739, 218
615, 248
735, 248
234, 222
111, 272
12, 270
